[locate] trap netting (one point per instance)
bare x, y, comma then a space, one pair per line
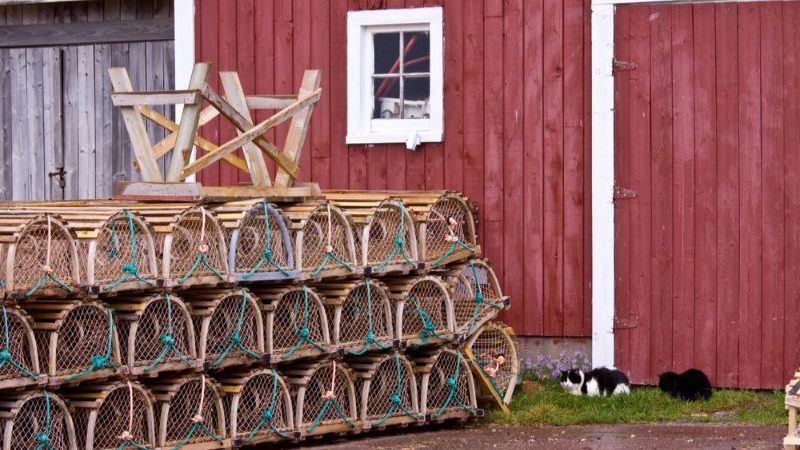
449, 230
496, 356
122, 254
425, 313
231, 330
448, 389
388, 389
40, 256
324, 242
260, 407
36, 420
156, 333
78, 341
297, 324
476, 295
190, 412
113, 416
388, 240
19, 361
326, 398
260, 243
195, 251
362, 315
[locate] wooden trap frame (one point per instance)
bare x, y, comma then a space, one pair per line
234, 107
324, 241
113, 416
445, 224
157, 333
296, 325
77, 340
36, 420
39, 256
476, 294
362, 315
387, 385
260, 408
494, 355
792, 402
260, 245
447, 387
423, 311
19, 357
231, 327
191, 415
325, 396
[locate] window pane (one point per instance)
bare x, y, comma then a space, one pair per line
387, 98
417, 47
387, 53
416, 93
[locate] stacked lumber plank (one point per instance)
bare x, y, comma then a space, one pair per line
220, 325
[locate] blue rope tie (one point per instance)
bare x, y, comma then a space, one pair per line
330, 402
197, 426
168, 341
43, 438
236, 338
479, 299
428, 327
399, 243
47, 276
200, 259
129, 443
98, 362
330, 256
369, 339
452, 383
453, 243
5, 354
131, 269
267, 256
395, 398
267, 414
303, 332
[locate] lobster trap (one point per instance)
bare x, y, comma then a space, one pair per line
231, 327
190, 413
297, 323
447, 387
325, 397
194, 249
157, 333
324, 242
113, 416
476, 294
362, 315
260, 407
388, 388
424, 311
39, 256
260, 246
494, 355
77, 341
19, 360
35, 420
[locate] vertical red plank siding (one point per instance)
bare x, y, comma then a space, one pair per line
338, 118
320, 58
245, 56
227, 61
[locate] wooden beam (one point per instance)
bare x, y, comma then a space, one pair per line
485, 380
255, 161
298, 129
86, 33
188, 125
140, 141
155, 98
270, 101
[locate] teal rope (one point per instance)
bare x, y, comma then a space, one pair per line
369, 339
197, 426
236, 338
98, 362
112, 252
303, 332
132, 269
490, 378
449, 251
478, 299
201, 258
328, 257
44, 438
267, 257
329, 402
395, 398
2, 284
428, 327
399, 243
129, 443
168, 341
5, 354
266, 415
45, 276
452, 383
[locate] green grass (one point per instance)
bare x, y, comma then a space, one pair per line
550, 405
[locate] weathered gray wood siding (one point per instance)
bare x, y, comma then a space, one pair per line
55, 106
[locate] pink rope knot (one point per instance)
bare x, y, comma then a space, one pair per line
197, 418
500, 360
451, 238
47, 269
329, 249
329, 395
202, 248
125, 436
491, 371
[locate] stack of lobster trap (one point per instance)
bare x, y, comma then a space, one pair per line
219, 325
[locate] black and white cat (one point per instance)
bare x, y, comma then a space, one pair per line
599, 381
690, 385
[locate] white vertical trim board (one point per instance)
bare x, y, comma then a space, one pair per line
184, 18
602, 184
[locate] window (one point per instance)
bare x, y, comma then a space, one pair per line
394, 76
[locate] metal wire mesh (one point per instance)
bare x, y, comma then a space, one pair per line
383, 385
318, 384
3, 255
184, 406
437, 227
223, 324
153, 324
315, 239
82, 334
355, 318
463, 298
255, 398
289, 318
19, 346
482, 277
438, 388
384, 228
113, 249
32, 419
489, 344
252, 237
186, 244
80, 420
112, 419
426, 301
31, 255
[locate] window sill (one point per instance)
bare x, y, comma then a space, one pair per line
392, 138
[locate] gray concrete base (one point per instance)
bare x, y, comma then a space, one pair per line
531, 347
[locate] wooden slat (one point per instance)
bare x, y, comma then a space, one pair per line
298, 128
86, 33
155, 97
187, 128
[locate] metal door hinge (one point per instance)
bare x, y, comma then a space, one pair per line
620, 66
60, 173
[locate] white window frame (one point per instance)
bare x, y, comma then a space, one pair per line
361, 127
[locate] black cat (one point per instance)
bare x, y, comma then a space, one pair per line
690, 385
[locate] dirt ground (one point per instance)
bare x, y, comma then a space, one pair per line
611, 437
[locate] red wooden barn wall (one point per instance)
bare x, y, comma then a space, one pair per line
517, 111
708, 253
